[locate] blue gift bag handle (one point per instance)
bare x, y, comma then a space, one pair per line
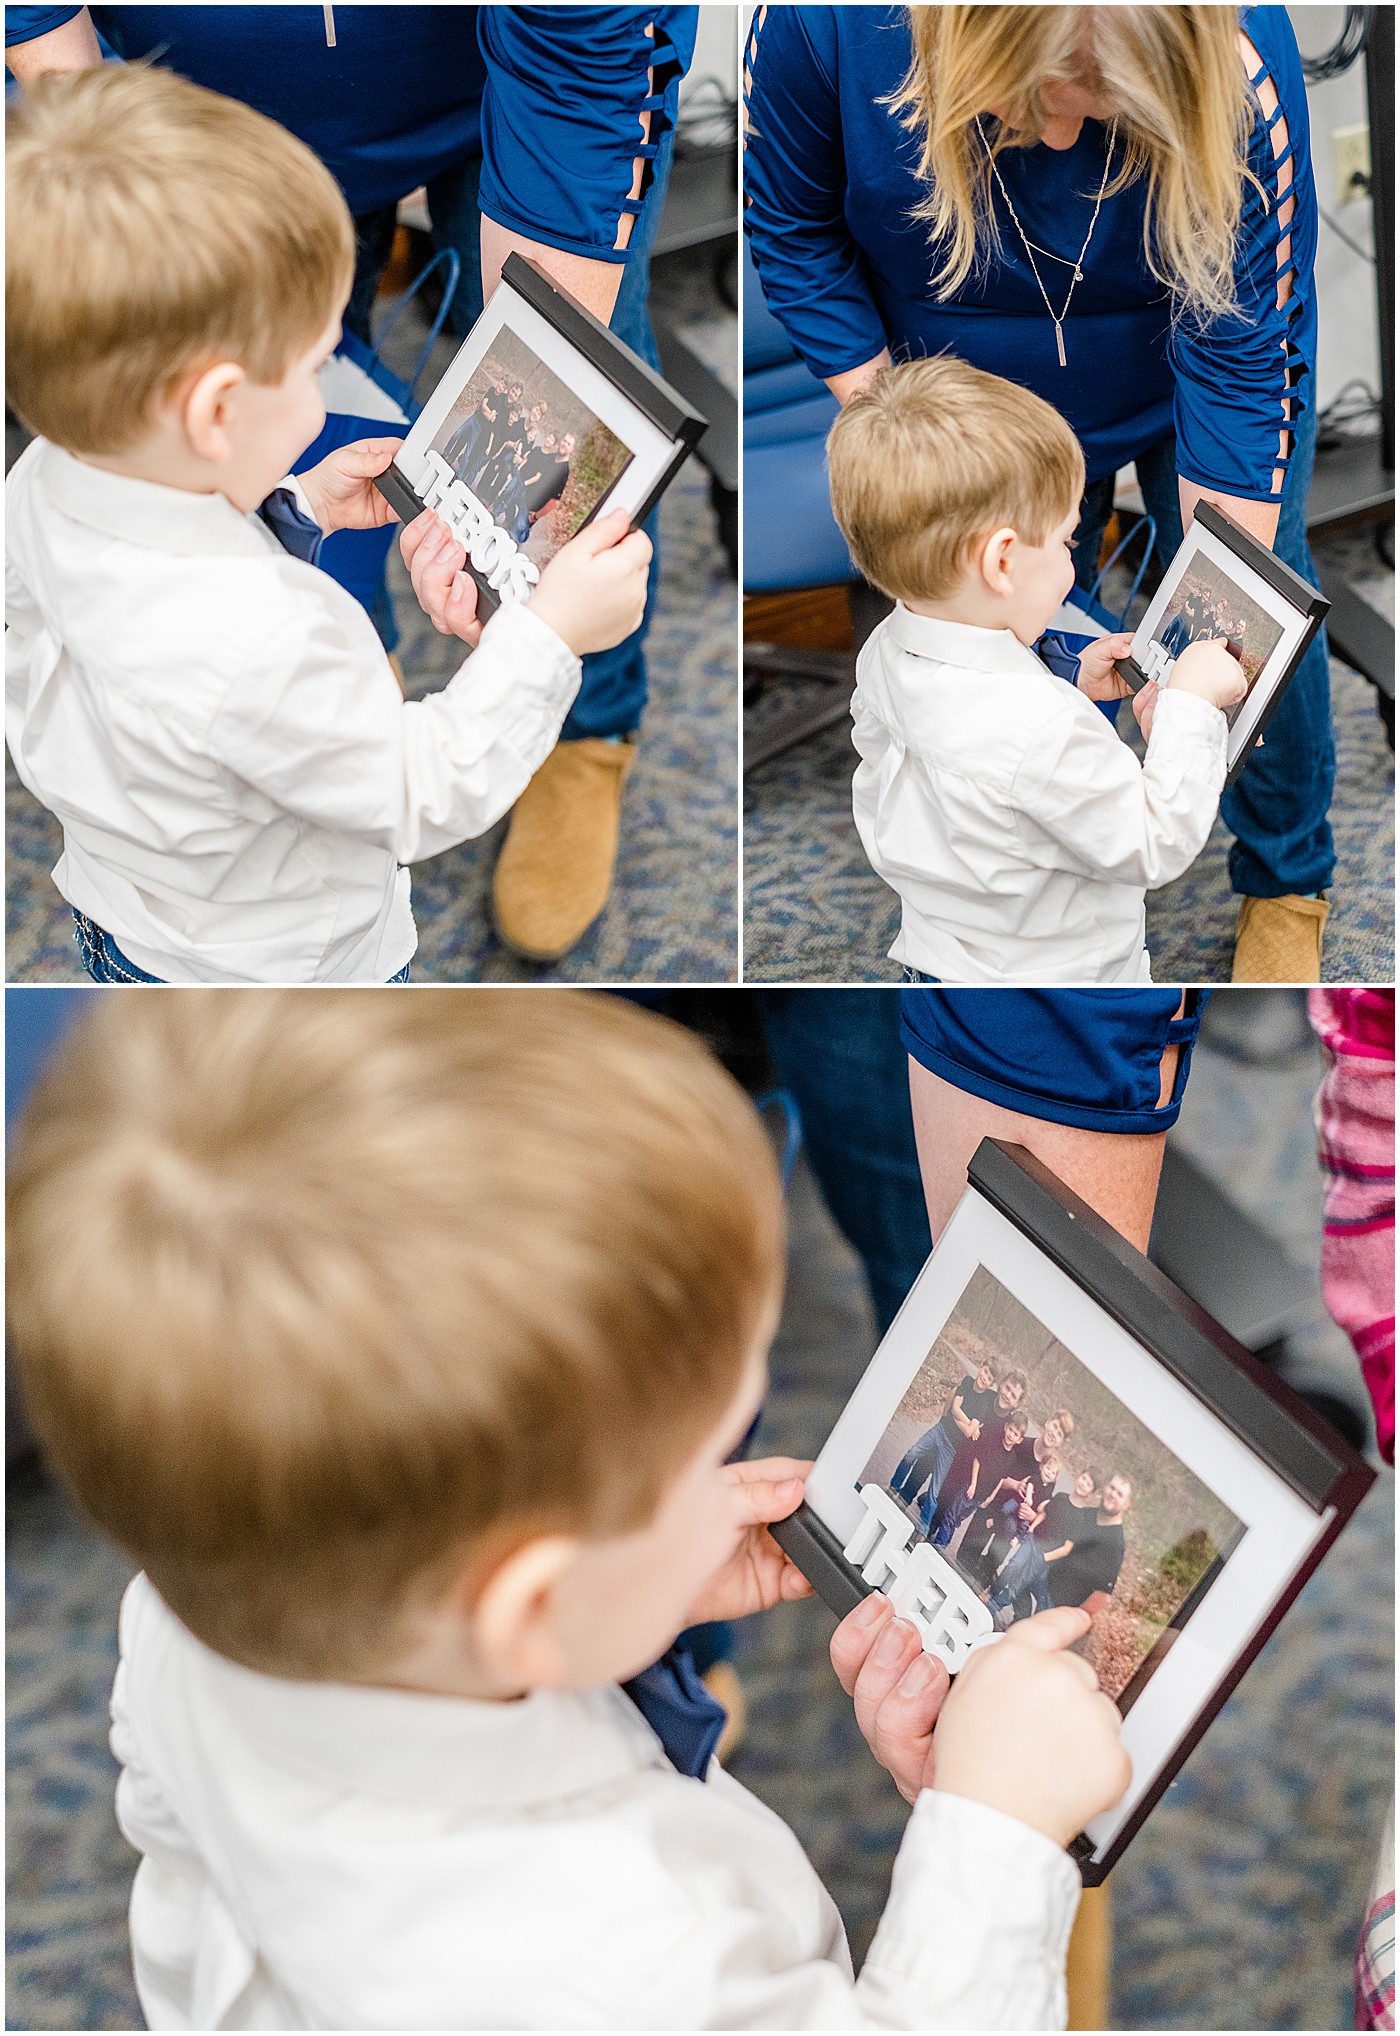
446, 258
1116, 554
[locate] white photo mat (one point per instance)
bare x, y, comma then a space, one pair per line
1279, 1527
1202, 548
652, 450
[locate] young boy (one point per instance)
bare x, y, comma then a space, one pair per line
214, 720
996, 799
427, 1327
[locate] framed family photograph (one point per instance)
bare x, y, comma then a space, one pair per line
542, 421
1049, 1421
1223, 583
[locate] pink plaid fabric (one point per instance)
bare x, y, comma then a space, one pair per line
1355, 1116
1375, 1959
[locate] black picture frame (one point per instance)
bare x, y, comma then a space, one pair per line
1305, 600
1319, 1466
587, 336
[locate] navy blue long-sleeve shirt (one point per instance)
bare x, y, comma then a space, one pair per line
551, 96
831, 179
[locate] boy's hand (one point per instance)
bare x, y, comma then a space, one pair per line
898, 1690
593, 592
1207, 669
1097, 678
341, 489
758, 1574
1145, 707
446, 592
1026, 1696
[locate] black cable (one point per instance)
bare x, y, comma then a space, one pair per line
1355, 403
1343, 52
1342, 235
706, 122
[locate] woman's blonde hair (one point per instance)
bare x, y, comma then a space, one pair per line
1182, 110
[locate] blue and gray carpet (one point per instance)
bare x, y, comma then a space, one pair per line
814, 910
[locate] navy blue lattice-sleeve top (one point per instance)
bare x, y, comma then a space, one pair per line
551, 96
830, 184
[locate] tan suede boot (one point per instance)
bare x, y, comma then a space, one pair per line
555, 870
1279, 940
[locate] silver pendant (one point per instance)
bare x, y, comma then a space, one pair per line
1060, 344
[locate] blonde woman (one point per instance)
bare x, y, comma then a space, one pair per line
1114, 207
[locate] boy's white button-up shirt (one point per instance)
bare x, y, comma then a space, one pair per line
1018, 830
217, 728
322, 1856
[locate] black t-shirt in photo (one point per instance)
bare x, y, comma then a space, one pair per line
994, 1462
1092, 1564
976, 1407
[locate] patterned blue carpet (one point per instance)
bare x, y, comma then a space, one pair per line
814, 910
1236, 1908
672, 916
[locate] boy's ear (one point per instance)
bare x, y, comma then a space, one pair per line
204, 407
515, 1614
992, 560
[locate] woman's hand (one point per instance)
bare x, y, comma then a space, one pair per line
341, 489
1097, 678
758, 1575
898, 1690
446, 592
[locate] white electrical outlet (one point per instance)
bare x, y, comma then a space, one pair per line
1351, 163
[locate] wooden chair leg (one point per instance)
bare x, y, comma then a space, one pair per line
1090, 1961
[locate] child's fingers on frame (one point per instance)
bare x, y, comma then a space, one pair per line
853, 1638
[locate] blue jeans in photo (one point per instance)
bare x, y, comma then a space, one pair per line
1025, 1571
949, 1518
925, 1465
1278, 810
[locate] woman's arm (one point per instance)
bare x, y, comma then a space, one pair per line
812, 272
72, 46
849, 384
1236, 453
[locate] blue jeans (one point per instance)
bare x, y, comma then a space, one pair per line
913, 975
105, 962
1278, 810
838, 1054
949, 1518
927, 1463
613, 692
1025, 1571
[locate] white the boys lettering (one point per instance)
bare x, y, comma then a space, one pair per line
501, 563
947, 1613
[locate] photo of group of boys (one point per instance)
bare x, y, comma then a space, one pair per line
1041, 1488
529, 449
1207, 603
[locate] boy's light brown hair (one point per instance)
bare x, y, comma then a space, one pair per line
936, 454
153, 228
320, 1298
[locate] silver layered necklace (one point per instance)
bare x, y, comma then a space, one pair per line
1056, 319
